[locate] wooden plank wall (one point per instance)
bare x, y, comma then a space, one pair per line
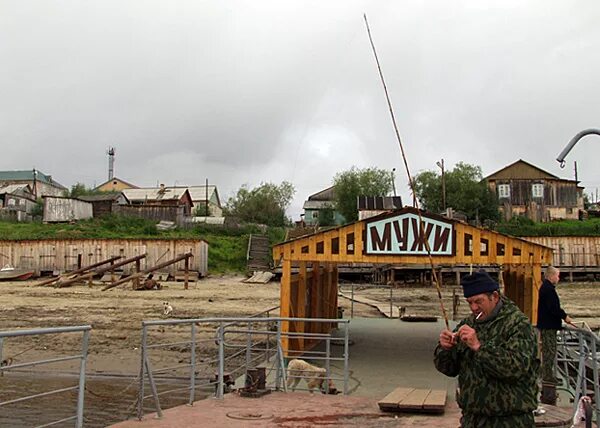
571, 251
311, 293
62, 255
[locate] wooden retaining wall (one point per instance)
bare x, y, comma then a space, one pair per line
61, 255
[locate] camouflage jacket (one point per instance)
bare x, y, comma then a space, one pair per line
500, 378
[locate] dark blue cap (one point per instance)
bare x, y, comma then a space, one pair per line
477, 283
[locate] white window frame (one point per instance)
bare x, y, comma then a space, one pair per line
504, 190
537, 190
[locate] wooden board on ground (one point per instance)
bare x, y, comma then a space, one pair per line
414, 400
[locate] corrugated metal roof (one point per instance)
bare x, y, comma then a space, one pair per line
317, 205
106, 197
154, 194
27, 175
12, 188
198, 193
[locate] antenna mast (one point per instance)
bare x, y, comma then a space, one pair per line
111, 162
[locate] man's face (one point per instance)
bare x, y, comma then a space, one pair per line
483, 304
555, 277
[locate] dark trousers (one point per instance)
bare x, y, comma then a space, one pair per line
548, 356
520, 420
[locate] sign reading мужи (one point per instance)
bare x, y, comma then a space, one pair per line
402, 234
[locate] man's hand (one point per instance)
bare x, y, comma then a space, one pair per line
447, 339
468, 336
569, 321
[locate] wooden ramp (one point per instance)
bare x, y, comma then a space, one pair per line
382, 307
414, 400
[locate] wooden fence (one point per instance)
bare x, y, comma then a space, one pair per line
61, 255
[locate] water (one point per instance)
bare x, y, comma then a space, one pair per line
107, 401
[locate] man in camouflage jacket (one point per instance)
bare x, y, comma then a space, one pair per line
494, 354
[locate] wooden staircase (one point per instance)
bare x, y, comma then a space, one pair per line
259, 254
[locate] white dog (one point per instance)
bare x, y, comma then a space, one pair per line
313, 375
167, 309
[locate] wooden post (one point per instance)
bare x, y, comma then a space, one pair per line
285, 298
135, 284
187, 273
301, 308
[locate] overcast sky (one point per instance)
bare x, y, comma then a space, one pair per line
244, 92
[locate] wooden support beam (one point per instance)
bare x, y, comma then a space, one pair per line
146, 271
100, 271
75, 272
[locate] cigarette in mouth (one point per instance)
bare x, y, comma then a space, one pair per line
479, 315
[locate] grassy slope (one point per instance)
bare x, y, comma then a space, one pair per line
227, 247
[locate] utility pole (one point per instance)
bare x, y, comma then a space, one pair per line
394, 181
441, 165
575, 164
35, 183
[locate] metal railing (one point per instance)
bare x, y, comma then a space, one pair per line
80, 387
577, 363
236, 345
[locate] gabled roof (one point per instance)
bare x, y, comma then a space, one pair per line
27, 175
105, 196
324, 195
133, 186
12, 188
538, 172
198, 193
155, 194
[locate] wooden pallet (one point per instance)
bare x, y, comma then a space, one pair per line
414, 400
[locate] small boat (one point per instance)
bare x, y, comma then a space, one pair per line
9, 273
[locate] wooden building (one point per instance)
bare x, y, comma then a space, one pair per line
207, 195
60, 209
16, 202
525, 189
102, 204
398, 238
321, 205
165, 196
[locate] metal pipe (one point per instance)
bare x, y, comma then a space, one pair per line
221, 362
193, 365
346, 355
561, 157
37, 331
82, 366
140, 409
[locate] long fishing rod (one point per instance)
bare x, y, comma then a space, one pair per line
410, 179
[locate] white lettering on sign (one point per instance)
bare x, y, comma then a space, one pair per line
403, 234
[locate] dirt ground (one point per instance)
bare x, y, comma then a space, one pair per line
116, 314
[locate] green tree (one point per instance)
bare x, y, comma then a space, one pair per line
79, 189
359, 182
202, 210
465, 191
265, 204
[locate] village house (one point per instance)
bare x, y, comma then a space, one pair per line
40, 183
16, 202
102, 204
158, 196
201, 194
321, 206
115, 185
524, 189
